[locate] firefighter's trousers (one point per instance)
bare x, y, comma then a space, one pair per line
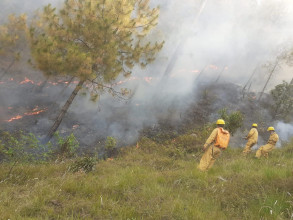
264, 150
209, 157
248, 146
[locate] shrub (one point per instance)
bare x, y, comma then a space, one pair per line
67, 146
85, 164
233, 120
20, 147
110, 146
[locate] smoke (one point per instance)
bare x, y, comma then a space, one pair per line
285, 131
18, 7
208, 41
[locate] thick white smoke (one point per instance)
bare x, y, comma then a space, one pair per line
284, 130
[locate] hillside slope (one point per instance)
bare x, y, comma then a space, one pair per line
153, 181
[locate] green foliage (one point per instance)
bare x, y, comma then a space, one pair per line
195, 139
12, 35
67, 146
22, 147
94, 40
110, 147
85, 164
233, 120
187, 142
13, 41
283, 101
110, 143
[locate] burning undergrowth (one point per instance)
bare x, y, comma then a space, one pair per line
32, 107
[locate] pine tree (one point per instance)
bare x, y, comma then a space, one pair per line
13, 42
94, 41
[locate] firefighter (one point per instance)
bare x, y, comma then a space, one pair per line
265, 149
251, 139
211, 148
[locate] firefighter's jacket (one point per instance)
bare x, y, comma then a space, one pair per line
273, 139
252, 135
212, 138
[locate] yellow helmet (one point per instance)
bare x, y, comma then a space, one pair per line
271, 128
220, 122
254, 125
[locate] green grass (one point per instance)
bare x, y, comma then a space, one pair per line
152, 182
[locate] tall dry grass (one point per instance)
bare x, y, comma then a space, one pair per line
153, 181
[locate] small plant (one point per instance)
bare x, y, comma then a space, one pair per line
233, 120
110, 145
85, 164
20, 147
67, 146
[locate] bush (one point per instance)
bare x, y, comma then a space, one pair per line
233, 121
67, 146
85, 164
283, 101
110, 145
20, 147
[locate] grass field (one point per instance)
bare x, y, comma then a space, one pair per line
154, 181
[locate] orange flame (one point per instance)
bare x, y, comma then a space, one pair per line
148, 79
27, 80
195, 71
35, 111
14, 118
75, 127
213, 67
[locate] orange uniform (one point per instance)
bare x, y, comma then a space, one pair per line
265, 149
211, 154
251, 138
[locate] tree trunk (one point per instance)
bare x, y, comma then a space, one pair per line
200, 73
247, 83
63, 90
268, 80
181, 44
219, 76
7, 69
63, 111
173, 59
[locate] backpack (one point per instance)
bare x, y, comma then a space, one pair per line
223, 138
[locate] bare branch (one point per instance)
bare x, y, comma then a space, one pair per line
110, 89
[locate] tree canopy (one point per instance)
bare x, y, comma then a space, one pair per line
94, 41
283, 100
13, 38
